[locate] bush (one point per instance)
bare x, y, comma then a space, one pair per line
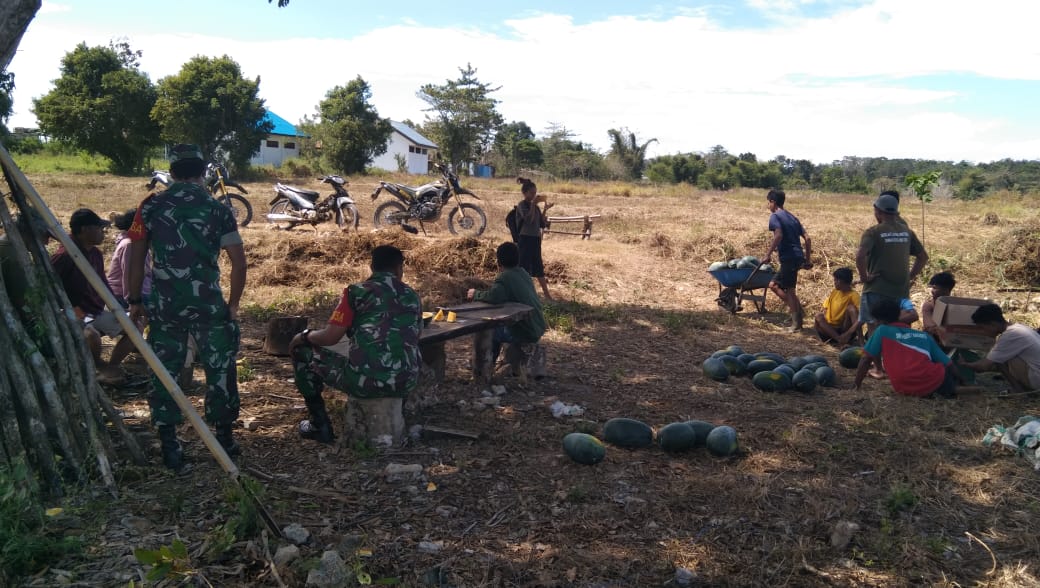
24, 546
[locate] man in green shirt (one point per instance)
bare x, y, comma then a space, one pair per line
513, 284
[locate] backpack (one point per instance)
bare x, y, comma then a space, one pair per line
513, 221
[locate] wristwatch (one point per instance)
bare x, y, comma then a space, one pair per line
132, 300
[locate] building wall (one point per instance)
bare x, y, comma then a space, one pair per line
417, 158
276, 149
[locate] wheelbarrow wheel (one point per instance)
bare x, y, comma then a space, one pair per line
728, 299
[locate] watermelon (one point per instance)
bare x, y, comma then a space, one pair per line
628, 432
779, 359
701, 429
718, 265
766, 267
744, 264
804, 381
816, 359
734, 365
715, 369
825, 376
584, 448
751, 260
722, 441
814, 366
849, 358
760, 365
718, 353
746, 358
771, 381
785, 369
734, 350
797, 363
732, 264
676, 437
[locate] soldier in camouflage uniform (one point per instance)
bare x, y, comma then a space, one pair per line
378, 322
186, 229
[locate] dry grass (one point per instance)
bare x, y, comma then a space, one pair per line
637, 317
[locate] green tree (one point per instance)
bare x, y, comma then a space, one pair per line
972, 185
101, 104
349, 129
463, 116
516, 147
626, 150
6, 102
210, 104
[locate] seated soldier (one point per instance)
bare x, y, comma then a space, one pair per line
512, 284
1016, 354
914, 363
838, 322
941, 284
88, 231
378, 321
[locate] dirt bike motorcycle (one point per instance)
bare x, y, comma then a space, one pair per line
217, 181
426, 203
294, 206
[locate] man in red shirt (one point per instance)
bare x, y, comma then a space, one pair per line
915, 364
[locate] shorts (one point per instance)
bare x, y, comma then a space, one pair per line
868, 299
106, 324
948, 388
787, 277
531, 255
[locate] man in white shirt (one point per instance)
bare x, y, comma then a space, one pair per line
1016, 354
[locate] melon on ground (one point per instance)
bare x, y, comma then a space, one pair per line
826, 376
760, 365
701, 429
734, 365
625, 432
715, 369
804, 381
722, 441
676, 437
583, 448
771, 381
849, 358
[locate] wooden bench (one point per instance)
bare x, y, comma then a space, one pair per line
472, 318
586, 230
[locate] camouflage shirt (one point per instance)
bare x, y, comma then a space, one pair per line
186, 228
383, 316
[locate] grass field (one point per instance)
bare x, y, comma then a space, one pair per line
922, 501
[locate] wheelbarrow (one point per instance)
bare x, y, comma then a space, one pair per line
739, 284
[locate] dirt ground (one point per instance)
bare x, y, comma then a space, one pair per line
919, 499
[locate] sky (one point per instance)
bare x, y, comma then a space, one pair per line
949, 80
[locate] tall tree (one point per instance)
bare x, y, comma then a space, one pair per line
463, 116
209, 103
516, 146
6, 102
349, 129
628, 152
101, 104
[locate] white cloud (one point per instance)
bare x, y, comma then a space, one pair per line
53, 8
813, 88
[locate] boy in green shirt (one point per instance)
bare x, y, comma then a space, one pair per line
513, 284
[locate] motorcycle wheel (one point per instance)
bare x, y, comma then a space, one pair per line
386, 210
347, 218
467, 220
240, 208
281, 207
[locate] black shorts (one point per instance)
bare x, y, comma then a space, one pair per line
948, 388
531, 255
787, 277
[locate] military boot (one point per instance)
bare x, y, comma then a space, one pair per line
172, 454
319, 426
227, 441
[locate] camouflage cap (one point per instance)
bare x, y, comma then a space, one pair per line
183, 151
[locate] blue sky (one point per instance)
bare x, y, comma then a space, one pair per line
816, 79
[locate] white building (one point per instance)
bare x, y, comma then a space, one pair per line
407, 143
283, 142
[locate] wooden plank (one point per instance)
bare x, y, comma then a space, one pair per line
450, 432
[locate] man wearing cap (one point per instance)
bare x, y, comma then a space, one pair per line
88, 231
186, 229
883, 258
1016, 354
30, 227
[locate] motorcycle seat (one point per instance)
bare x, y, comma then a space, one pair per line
308, 194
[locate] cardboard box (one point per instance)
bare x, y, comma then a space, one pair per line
953, 314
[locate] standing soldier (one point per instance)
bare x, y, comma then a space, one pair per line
185, 228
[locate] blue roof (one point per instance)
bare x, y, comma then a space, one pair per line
412, 135
281, 126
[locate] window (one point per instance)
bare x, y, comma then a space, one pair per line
411, 149
272, 144
424, 151
290, 145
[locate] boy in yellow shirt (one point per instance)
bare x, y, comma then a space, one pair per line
839, 322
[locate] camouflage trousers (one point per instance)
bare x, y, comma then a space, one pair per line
217, 349
317, 367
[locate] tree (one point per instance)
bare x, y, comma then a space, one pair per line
628, 152
6, 103
209, 103
921, 186
349, 129
464, 116
101, 104
516, 147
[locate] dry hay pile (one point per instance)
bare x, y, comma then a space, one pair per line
1015, 254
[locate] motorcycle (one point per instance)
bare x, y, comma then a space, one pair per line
425, 204
217, 181
293, 206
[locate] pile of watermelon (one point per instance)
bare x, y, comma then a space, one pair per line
770, 372
746, 262
633, 434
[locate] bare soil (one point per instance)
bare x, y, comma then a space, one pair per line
634, 318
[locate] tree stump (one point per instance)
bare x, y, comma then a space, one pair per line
280, 332
376, 421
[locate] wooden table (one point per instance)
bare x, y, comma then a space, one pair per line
479, 319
